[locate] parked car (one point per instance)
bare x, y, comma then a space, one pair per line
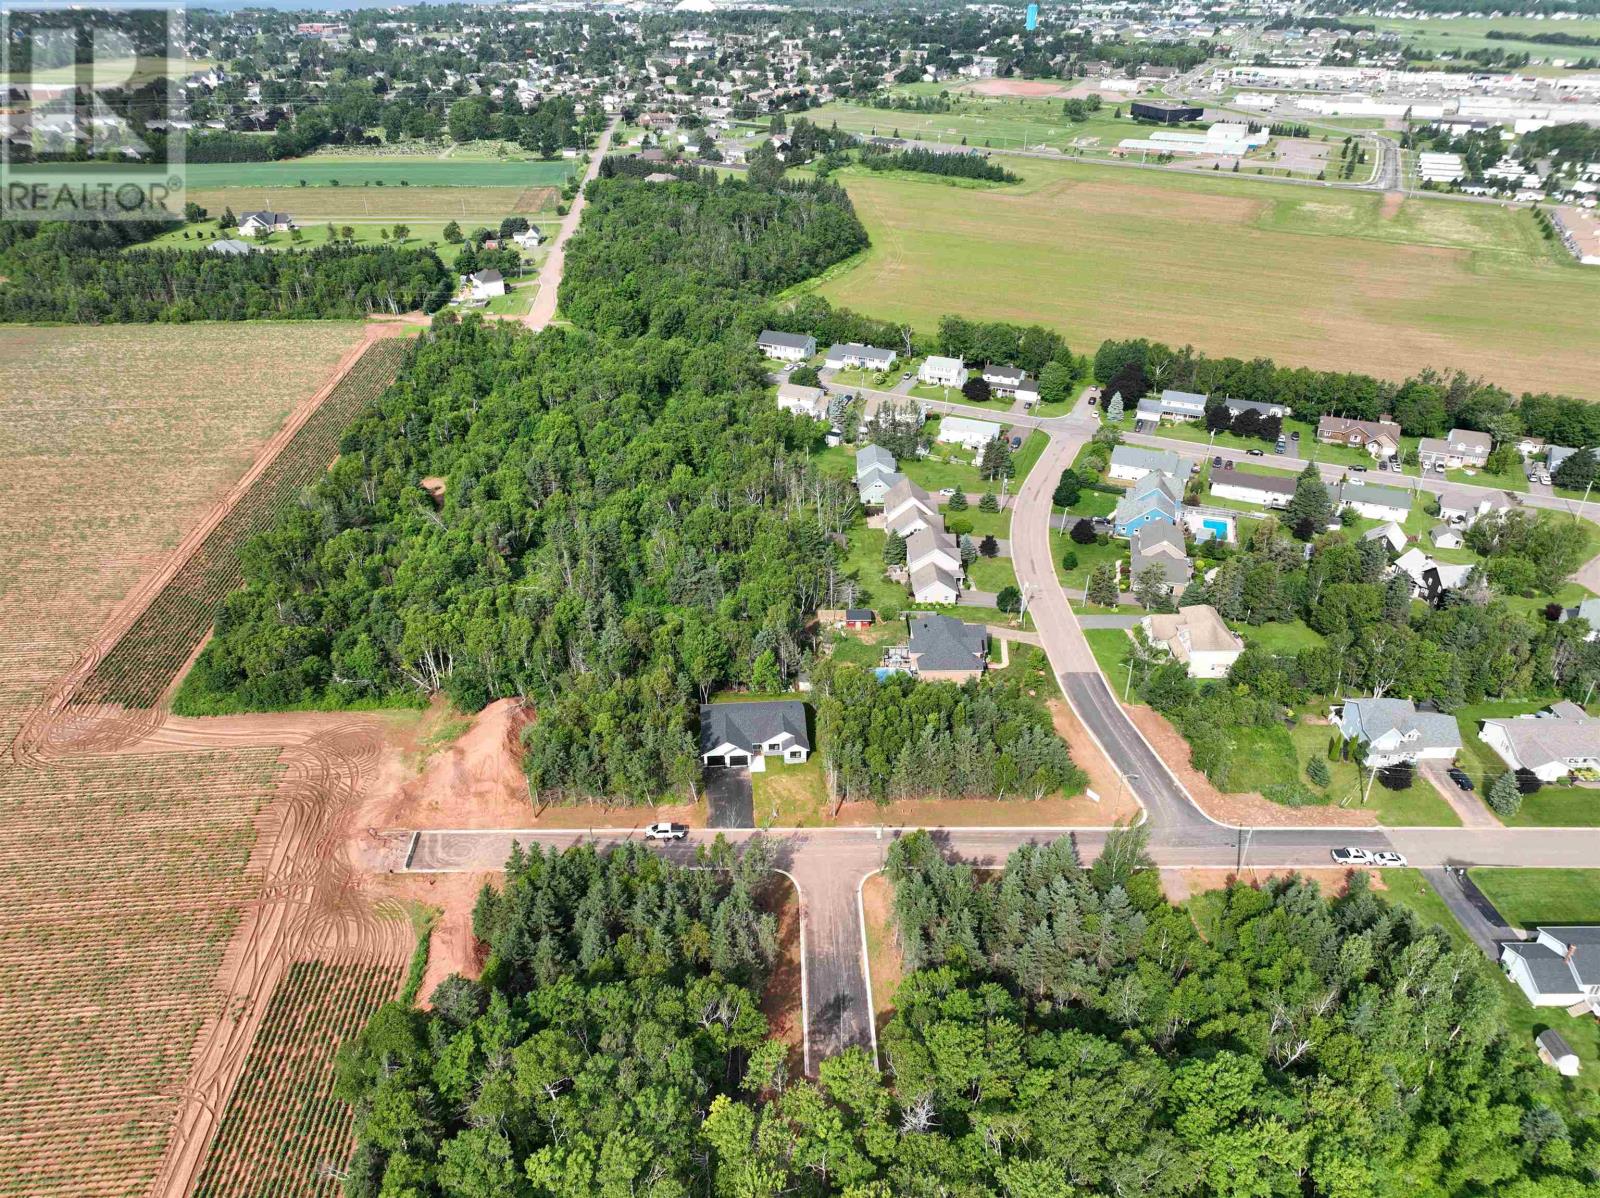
1459, 777
1390, 858
1093, 401
1350, 856
905, 376
1138, 426
1294, 436
1279, 447
946, 492
666, 831
1358, 470
1217, 460
1228, 465
1544, 477
1257, 453
1016, 442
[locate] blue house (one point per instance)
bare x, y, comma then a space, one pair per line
1154, 497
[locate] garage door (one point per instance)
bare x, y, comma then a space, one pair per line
713, 759
738, 759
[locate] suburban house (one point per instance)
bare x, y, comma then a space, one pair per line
1465, 508
1132, 462
1588, 610
944, 649
744, 734
1528, 445
933, 583
529, 239
1430, 579
876, 473
1154, 499
866, 357
254, 224
1197, 637
933, 547
1557, 1053
964, 431
483, 284
1559, 967
1236, 406
1011, 382
1391, 534
907, 508
803, 401
1174, 405
1444, 536
1555, 455
786, 347
1380, 438
942, 372
1161, 545
1393, 730
1463, 447
1268, 490
1551, 743
1372, 503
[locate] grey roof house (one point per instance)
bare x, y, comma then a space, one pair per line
1559, 967
945, 649
786, 347
1393, 730
1160, 544
734, 734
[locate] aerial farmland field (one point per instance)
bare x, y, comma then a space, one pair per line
1341, 280
322, 171
127, 874
357, 205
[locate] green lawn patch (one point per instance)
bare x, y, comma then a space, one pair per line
934, 474
430, 171
1089, 556
864, 564
1022, 460
1530, 897
1286, 639
992, 574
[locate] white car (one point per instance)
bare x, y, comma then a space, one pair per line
665, 831
1349, 856
946, 492
1389, 857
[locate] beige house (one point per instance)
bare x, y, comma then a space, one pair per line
1197, 637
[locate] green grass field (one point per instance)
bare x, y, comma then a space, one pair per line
374, 172
1529, 897
1461, 34
1338, 280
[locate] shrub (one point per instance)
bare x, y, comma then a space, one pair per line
1318, 773
957, 525
1009, 600
1069, 560
988, 503
1292, 794
1398, 776
958, 501
1083, 532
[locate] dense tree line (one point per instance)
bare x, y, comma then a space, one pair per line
674, 258
627, 524
897, 738
96, 282
620, 997
1427, 404
1064, 1032
933, 162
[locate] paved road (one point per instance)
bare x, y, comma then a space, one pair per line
829, 865
544, 304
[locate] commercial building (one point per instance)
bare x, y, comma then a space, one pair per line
1164, 112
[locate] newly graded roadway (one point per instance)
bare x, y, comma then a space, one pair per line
830, 864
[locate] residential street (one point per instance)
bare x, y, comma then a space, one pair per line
544, 304
830, 864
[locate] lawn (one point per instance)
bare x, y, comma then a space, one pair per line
1325, 279
992, 574
996, 524
1093, 503
1530, 897
376, 172
1553, 806
1281, 638
422, 235
1409, 888
1024, 459
1089, 556
935, 473
864, 563
515, 302
787, 795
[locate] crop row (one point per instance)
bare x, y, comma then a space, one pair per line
283, 1132
144, 661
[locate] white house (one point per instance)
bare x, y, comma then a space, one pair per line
1464, 508
1430, 578
1391, 534
483, 284
933, 547
254, 224
942, 372
529, 239
1559, 967
866, 357
786, 347
1394, 730
1197, 637
876, 474
811, 402
961, 430
934, 584
1130, 463
1268, 490
1373, 503
1551, 743
907, 508
736, 734
1463, 447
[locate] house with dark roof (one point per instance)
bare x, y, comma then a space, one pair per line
867, 357
254, 224
1154, 499
1380, 438
1268, 490
1559, 967
786, 347
1160, 544
945, 649
734, 734
876, 474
